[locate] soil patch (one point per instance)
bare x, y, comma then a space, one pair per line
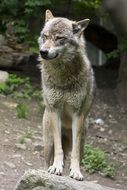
21, 145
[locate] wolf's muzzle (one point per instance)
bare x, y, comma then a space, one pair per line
46, 54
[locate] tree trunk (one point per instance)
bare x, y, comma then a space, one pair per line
117, 10
41, 180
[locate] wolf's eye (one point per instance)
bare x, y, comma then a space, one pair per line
60, 38
45, 37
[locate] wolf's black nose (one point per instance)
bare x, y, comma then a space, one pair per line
44, 52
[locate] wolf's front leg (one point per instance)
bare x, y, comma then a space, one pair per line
57, 167
47, 138
77, 127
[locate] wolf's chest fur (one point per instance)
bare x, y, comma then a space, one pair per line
65, 84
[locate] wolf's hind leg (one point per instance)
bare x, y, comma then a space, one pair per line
47, 139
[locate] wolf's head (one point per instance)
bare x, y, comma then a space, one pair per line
60, 36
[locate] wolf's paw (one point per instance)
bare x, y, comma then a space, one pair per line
76, 174
55, 170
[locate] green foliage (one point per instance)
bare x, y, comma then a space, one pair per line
15, 80
92, 4
116, 53
20, 12
32, 6
11, 85
19, 87
95, 160
4, 89
32, 41
22, 111
21, 30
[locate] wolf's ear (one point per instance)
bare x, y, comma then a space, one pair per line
48, 15
80, 26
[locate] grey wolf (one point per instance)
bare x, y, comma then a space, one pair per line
67, 86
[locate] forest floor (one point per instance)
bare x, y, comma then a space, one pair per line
21, 139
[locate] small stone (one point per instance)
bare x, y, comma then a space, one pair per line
110, 132
28, 163
7, 132
22, 158
37, 138
105, 139
102, 129
35, 153
39, 127
3, 76
10, 104
38, 147
16, 156
10, 165
6, 140
99, 121
2, 173
40, 188
21, 146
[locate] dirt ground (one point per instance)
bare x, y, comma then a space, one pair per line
15, 157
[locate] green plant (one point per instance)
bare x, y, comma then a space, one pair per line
116, 53
4, 88
20, 87
12, 83
24, 137
95, 160
22, 111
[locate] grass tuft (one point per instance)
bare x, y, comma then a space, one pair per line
95, 160
22, 111
20, 87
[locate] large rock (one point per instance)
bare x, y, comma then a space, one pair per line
13, 58
41, 180
13, 54
3, 41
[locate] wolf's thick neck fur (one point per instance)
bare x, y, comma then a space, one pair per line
68, 70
